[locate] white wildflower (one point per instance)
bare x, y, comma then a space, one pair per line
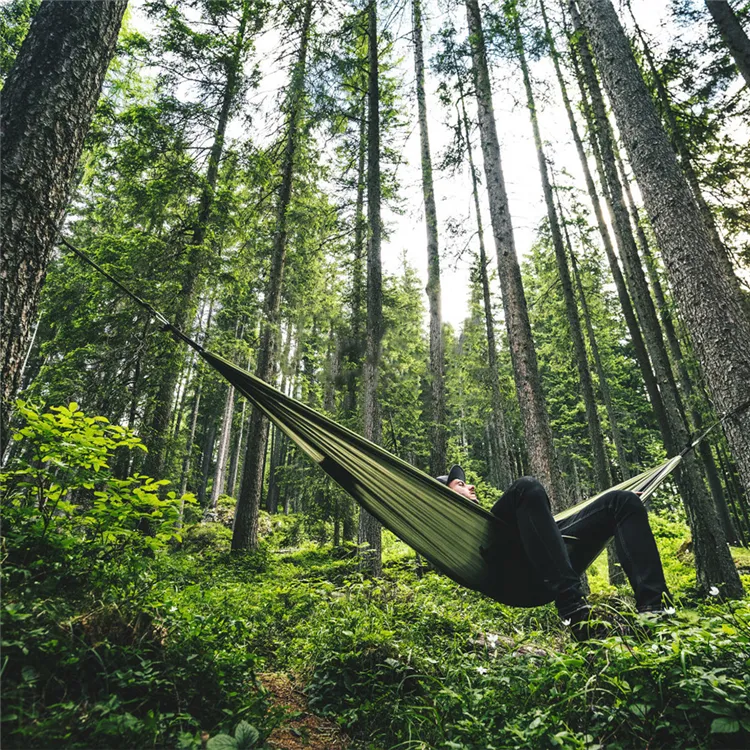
482, 670
669, 611
713, 591
567, 622
492, 639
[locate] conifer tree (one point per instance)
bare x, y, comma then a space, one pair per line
369, 527
245, 532
733, 34
437, 391
601, 471
707, 297
525, 368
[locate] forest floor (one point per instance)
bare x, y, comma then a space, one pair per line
302, 729
293, 647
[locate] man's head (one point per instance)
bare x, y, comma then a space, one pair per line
456, 480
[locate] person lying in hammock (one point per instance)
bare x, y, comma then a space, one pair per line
543, 559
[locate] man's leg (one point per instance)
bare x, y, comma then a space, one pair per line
620, 514
525, 506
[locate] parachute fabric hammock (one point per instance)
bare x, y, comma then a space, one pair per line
453, 533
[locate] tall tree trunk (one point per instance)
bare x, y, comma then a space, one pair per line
708, 298
209, 441
224, 440
49, 98
678, 360
680, 145
601, 471
279, 440
498, 429
197, 255
616, 573
733, 34
601, 373
189, 441
234, 462
245, 533
639, 347
355, 345
369, 528
523, 356
438, 444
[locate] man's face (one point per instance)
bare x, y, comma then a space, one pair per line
467, 490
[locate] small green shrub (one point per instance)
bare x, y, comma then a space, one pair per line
207, 536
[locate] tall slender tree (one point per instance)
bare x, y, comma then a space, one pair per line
523, 356
369, 527
227, 62
601, 471
437, 389
733, 34
708, 298
498, 425
245, 532
49, 99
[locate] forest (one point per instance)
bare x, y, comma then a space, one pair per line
269, 268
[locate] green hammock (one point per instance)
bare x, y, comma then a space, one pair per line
453, 533
457, 536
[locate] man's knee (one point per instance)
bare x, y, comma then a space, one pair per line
530, 489
626, 502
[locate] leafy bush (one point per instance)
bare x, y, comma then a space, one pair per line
60, 493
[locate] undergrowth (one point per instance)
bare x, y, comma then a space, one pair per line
135, 640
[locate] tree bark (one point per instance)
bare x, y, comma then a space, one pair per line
234, 462
279, 441
708, 298
601, 373
523, 356
438, 444
224, 440
497, 427
355, 346
49, 98
733, 34
601, 471
639, 347
245, 532
680, 145
369, 527
678, 361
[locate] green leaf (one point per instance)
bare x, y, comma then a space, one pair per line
725, 726
246, 736
640, 710
222, 742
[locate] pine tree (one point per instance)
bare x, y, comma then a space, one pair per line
525, 367
708, 299
601, 471
733, 34
369, 528
437, 392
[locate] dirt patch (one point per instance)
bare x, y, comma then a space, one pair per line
303, 729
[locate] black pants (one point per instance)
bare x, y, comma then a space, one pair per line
543, 559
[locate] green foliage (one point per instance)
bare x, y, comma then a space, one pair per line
245, 737
60, 492
15, 18
154, 650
